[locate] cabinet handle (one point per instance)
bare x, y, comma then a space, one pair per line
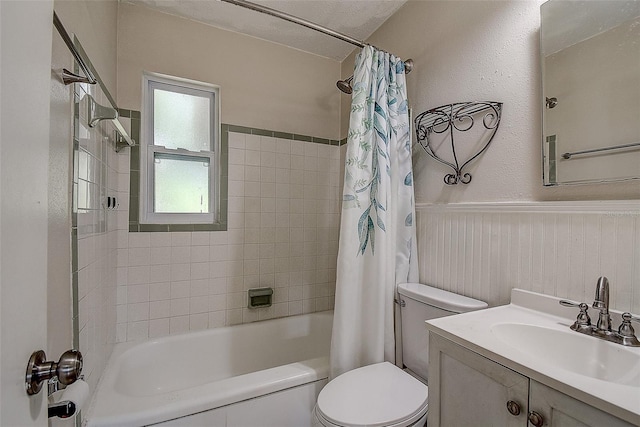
536, 419
513, 408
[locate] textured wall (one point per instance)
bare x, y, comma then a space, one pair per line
263, 85
481, 50
95, 24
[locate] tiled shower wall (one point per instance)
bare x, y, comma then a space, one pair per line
283, 224
94, 235
554, 248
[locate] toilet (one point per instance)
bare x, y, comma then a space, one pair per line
383, 394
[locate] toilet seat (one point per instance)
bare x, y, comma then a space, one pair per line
375, 395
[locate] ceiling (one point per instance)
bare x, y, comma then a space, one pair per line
565, 23
355, 18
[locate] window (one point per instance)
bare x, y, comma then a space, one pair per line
179, 151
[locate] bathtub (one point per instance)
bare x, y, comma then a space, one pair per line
256, 374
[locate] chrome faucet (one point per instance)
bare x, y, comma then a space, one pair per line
602, 303
625, 334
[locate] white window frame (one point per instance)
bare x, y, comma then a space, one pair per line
148, 151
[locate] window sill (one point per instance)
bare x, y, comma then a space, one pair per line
216, 226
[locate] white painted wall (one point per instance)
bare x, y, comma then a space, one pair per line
95, 23
481, 50
489, 50
262, 84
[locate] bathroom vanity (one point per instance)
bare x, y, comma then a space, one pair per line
521, 365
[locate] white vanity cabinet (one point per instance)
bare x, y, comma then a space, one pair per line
467, 389
559, 409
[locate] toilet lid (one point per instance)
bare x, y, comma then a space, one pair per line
376, 395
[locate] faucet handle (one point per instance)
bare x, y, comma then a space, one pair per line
629, 316
626, 331
567, 303
583, 321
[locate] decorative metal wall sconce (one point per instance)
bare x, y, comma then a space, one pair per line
458, 117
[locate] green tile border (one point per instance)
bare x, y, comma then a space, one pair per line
283, 135
134, 189
134, 184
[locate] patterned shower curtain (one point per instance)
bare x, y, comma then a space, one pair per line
377, 232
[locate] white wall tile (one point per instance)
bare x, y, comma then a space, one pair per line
236, 172
180, 289
199, 287
200, 238
137, 312
233, 317
268, 144
179, 307
236, 140
157, 240
138, 275
178, 325
159, 327
236, 156
194, 280
159, 310
139, 240
159, 273
180, 272
137, 330
181, 238
198, 322
138, 293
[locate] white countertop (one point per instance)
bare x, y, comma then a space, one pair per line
475, 331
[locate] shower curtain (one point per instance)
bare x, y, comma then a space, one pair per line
377, 233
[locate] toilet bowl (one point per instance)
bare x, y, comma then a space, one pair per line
375, 395
381, 394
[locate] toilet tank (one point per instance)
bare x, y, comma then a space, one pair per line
421, 303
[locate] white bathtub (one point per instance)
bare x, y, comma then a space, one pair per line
234, 376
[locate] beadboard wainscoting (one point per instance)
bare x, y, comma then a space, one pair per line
557, 248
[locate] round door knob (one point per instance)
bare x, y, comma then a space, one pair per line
513, 408
536, 419
69, 367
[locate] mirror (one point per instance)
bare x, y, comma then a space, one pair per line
590, 53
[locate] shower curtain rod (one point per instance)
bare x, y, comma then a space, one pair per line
282, 15
74, 52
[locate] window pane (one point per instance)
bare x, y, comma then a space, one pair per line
181, 120
181, 184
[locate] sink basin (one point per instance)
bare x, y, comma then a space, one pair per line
574, 352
